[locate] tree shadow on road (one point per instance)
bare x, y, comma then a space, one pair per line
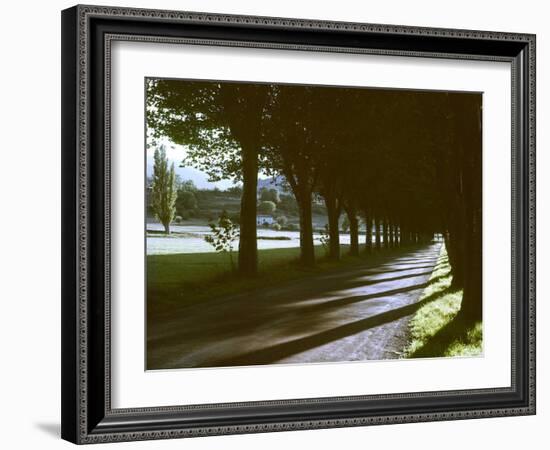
285, 311
274, 353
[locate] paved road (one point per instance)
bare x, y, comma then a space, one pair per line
359, 313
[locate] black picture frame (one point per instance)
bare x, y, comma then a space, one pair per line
87, 416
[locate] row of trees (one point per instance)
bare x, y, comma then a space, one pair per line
407, 162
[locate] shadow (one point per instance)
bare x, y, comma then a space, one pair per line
252, 319
439, 277
359, 298
360, 280
407, 262
202, 334
390, 270
456, 329
402, 277
52, 429
274, 353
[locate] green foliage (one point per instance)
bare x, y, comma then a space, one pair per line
325, 239
224, 234
163, 190
345, 224
288, 204
435, 331
318, 209
186, 201
210, 119
282, 220
269, 195
266, 207
186, 185
235, 191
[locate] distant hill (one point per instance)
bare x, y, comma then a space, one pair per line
272, 183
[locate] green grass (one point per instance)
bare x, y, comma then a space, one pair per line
435, 329
186, 278
183, 279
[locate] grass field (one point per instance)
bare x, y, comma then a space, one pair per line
183, 279
435, 330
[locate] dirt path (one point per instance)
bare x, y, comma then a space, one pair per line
357, 314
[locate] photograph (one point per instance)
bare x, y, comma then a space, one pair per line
298, 224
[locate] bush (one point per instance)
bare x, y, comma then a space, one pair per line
178, 219
345, 224
318, 209
266, 207
269, 195
282, 220
224, 234
325, 239
288, 204
276, 227
291, 227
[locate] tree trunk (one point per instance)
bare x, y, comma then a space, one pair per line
353, 232
333, 211
385, 233
248, 247
368, 234
307, 250
391, 233
377, 233
396, 233
471, 308
166, 227
243, 107
454, 242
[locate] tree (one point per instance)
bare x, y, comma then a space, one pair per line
235, 190
186, 201
282, 220
267, 207
288, 204
289, 139
220, 123
186, 185
224, 234
269, 195
163, 192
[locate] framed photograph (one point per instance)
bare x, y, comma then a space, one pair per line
279, 224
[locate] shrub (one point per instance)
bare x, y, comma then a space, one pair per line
325, 240
266, 207
224, 234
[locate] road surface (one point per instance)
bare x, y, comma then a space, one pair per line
358, 313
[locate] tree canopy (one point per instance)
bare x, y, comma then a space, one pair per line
408, 163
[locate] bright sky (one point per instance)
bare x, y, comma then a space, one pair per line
175, 153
